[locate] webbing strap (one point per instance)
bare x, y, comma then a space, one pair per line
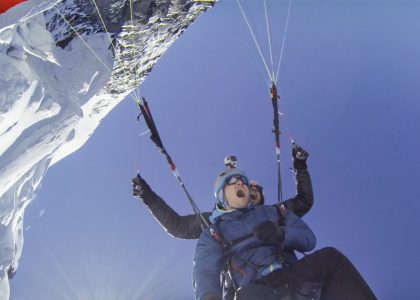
155, 137
227, 246
276, 121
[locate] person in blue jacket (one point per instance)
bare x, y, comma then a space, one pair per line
254, 246
189, 226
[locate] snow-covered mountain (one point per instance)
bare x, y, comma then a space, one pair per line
64, 66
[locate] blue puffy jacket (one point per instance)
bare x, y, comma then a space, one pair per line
249, 257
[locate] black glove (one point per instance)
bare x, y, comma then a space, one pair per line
269, 232
299, 156
140, 187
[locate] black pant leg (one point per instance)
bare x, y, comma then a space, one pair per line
257, 292
341, 279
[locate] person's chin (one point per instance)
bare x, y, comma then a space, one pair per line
243, 202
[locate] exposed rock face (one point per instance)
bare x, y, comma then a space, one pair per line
63, 70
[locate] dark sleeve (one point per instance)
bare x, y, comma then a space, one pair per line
182, 227
304, 199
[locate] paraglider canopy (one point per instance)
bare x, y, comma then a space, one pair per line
7, 4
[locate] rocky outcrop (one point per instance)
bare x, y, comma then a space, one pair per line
64, 68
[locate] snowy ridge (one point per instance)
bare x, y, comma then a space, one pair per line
46, 112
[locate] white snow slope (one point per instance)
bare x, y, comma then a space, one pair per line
52, 99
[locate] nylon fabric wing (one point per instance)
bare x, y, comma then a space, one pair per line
5, 5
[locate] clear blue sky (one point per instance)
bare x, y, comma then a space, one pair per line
349, 88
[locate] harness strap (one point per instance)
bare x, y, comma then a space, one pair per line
218, 236
240, 239
227, 245
281, 209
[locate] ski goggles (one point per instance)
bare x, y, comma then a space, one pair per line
254, 185
235, 178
